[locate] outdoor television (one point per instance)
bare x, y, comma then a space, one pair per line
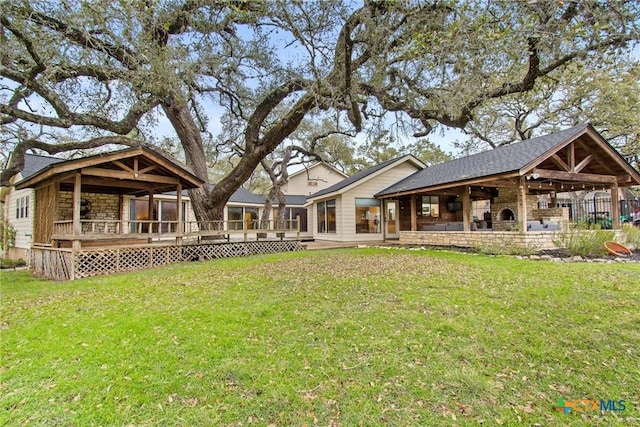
454, 206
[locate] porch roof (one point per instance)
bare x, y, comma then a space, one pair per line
130, 171
592, 156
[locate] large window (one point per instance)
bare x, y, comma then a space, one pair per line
290, 215
22, 207
242, 218
367, 216
430, 206
327, 216
165, 211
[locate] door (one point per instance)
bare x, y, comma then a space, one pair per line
391, 222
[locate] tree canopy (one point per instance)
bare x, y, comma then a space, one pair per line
240, 77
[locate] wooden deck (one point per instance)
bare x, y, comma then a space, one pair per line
96, 233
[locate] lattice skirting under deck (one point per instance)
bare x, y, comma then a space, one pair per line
68, 265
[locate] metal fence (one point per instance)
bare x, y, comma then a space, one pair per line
597, 210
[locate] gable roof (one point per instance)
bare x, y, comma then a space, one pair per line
244, 196
365, 174
34, 163
514, 159
327, 165
151, 160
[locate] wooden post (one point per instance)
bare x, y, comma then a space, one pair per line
150, 209
466, 208
615, 208
414, 213
77, 226
180, 214
521, 195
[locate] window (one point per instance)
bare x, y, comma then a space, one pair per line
367, 216
234, 218
291, 214
165, 211
430, 206
241, 218
22, 207
327, 216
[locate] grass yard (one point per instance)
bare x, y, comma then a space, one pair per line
343, 337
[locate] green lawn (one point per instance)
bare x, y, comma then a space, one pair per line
344, 337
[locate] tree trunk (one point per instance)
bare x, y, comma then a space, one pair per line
189, 134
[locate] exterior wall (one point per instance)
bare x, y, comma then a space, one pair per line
103, 206
537, 240
22, 226
346, 205
322, 175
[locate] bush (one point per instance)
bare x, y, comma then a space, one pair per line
12, 263
631, 235
507, 249
584, 239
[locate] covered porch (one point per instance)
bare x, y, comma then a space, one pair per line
492, 197
80, 203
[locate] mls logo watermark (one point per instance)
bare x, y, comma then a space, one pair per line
602, 405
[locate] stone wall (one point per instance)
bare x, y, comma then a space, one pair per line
536, 240
102, 206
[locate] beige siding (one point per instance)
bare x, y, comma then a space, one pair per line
22, 226
346, 211
321, 174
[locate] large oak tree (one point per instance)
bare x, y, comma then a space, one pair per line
79, 75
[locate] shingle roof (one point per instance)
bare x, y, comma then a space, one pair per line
356, 177
293, 200
508, 158
242, 195
34, 163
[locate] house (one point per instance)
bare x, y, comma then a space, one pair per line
91, 201
509, 178
349, 210
136, 195
132, 208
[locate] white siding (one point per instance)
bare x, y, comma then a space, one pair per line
346, 204
22, 226
320, 173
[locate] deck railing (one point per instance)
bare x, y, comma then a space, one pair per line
140, 228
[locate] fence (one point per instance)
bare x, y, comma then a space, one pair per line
597, 210
67, 264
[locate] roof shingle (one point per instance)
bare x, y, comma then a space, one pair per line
508, 158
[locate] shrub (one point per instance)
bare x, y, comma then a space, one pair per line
7, 235
631, 235
12, 263
507, 249
583, 239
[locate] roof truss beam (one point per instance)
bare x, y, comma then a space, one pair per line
575, 177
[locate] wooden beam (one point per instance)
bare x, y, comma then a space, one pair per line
148, 169
571, 156
521, 196
118, 183
575, 177
466, 208
615, 208
122, 166
558, 161
77, 226
110, 173
414, 212
180, 213
583, 163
